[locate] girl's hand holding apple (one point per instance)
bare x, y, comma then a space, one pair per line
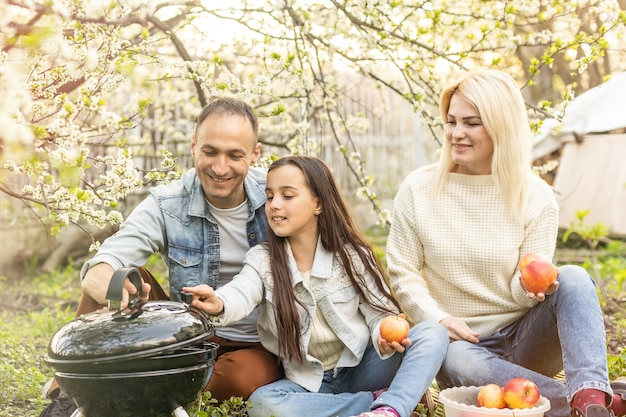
389, 347
394, 334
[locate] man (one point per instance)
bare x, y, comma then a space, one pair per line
202, 224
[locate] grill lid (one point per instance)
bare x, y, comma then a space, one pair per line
140, 330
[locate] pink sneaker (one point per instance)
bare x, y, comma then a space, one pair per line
383, 411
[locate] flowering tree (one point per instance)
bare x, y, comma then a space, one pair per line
92, 88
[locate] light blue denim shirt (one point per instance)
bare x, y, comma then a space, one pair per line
174, 220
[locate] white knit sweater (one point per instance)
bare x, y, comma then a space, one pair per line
457, 256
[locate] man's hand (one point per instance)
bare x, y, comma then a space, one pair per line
459, 330
130, 289
96, 282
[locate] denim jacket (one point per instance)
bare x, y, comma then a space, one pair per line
174, 220
330, 290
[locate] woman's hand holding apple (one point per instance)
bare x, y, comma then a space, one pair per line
538, 275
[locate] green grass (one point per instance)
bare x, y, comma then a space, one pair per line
34, 311
31, 310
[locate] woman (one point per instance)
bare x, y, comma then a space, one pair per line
459, 229
323, 295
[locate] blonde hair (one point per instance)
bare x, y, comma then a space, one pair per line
499, 102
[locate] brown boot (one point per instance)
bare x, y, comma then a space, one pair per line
618, 403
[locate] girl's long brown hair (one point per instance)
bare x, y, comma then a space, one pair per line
339, 234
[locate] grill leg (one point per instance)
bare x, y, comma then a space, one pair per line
179, 412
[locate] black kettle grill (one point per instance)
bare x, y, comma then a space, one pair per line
150, 359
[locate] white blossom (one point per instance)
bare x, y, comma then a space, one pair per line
88, 97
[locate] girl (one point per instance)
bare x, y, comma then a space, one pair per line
323, 295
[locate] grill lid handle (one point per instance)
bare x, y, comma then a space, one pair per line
116, 286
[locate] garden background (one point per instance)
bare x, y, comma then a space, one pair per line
100, 99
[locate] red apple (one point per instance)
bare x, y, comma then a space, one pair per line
528, 258
521, 393
394, 328
538, 275
491, 396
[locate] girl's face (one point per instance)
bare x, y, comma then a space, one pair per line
291, 207
471, 146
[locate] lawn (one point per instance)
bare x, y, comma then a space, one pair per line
31, 310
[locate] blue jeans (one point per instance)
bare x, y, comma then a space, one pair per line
407, 375
566, 331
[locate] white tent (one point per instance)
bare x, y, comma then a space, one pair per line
598, 110
592, 164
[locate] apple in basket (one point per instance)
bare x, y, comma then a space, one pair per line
521, 393
394, 328
491, 396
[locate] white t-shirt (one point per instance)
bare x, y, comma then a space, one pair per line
232, 227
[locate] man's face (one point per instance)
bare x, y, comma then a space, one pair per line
224, 149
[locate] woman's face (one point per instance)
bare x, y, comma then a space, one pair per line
471, 147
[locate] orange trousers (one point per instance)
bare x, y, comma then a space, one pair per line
240, 368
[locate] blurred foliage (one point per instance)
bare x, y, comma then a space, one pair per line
605, 262
30, 312
608, 267
617, 363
